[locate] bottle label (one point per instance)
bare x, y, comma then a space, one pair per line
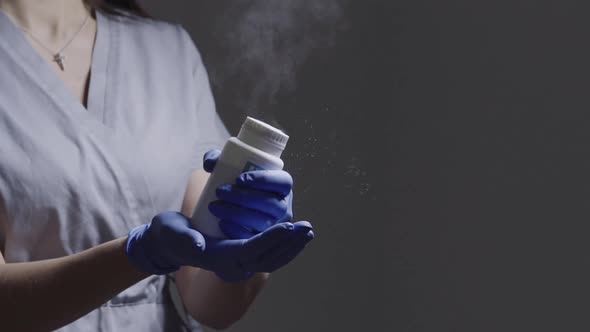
250, 166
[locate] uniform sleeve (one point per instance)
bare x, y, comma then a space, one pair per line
209, 130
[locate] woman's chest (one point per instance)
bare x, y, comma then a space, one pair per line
74, 175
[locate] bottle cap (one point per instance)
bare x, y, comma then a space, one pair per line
253, 128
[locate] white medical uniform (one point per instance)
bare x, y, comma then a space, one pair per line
72, 178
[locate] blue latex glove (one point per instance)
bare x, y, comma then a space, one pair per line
257, 200
168, 242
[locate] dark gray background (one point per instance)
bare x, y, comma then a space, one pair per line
441, 150
490, 226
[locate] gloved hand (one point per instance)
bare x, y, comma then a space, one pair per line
168, 242
257, 201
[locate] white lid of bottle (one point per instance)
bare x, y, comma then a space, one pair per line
257, 132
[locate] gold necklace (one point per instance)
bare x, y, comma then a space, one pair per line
57, 56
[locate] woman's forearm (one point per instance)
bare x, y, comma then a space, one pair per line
207, 298
45, 295
212, 301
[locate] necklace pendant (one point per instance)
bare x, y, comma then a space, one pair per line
59, 58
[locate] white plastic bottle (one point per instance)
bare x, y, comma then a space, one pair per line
257, 146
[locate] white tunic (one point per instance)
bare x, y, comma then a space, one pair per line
72, 178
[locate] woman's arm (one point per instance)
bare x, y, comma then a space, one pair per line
213, 302
207, 298
45, 295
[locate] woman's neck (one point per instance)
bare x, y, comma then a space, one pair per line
52, 20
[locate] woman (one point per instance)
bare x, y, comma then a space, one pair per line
105, 115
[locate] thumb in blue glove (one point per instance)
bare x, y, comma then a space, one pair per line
165, 244
210, 159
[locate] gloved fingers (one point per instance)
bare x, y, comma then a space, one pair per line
288, 216
189, 243
184, 248
168, 219
248, 218
277, 181
266, 240
169, 226
235, 231
165, 244
136, 252
210, 160
284, 259
302, 234
218, 250
301, 225
254, 199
